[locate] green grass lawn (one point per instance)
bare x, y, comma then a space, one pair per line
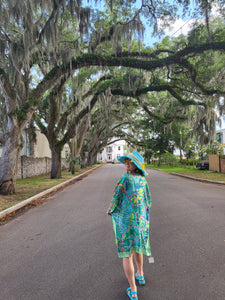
191, 171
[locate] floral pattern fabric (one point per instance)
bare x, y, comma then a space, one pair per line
130, 215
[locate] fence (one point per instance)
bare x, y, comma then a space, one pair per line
222, 163
28, 166
217, 163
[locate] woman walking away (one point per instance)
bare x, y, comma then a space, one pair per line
130, 208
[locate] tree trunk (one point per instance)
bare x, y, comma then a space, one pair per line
94, 157
91, 159
11, 149
56, 163
88, 160
159, 160
181, 156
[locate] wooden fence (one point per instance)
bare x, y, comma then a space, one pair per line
217, 163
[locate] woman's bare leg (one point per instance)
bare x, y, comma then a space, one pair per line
139, 263
128, 267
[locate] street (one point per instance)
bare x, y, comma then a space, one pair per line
65, 249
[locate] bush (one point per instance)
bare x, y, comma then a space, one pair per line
189, 162
169, 159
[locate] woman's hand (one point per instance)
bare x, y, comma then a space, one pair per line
108, 212
109, 209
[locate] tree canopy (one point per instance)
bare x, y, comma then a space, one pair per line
44, 45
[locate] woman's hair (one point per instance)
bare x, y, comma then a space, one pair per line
138, 171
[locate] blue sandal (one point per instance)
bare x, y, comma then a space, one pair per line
129, 294
140, 279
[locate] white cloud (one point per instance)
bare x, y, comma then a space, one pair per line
216, 10
180, 26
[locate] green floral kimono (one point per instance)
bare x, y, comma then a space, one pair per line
130, 215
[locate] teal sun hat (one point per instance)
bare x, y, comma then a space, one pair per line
136, 158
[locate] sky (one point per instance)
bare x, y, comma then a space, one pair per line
178, 27
181, 26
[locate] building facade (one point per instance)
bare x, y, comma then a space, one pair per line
40, 148
114, 150
220, 133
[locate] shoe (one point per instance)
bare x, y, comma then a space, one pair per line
140, 279
129, 294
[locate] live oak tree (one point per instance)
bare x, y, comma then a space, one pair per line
113, 114
29, 35
146, 64
60, 37
65, 112
109, 120
45, 33
3, 115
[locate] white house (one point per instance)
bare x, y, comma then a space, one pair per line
221, 132
113, 151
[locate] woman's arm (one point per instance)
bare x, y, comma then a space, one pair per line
109, 209
117, 195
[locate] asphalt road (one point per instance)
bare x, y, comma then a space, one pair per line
65, 249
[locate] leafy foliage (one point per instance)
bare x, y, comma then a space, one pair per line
69, 47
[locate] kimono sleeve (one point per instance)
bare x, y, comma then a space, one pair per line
148, 195
118, 193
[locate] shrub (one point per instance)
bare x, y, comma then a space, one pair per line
169, 159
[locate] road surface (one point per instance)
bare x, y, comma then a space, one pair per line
65, 248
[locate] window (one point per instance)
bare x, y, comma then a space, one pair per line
219, 137
109, 149
118, 148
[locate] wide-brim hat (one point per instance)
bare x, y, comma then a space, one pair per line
136, 158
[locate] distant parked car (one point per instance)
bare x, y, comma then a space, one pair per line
202, 165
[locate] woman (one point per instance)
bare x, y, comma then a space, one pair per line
130, 208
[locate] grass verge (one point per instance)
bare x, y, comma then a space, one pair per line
26, 188
192, 172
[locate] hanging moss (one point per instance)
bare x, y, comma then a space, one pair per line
21, 113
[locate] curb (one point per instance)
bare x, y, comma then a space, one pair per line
198, 179
55, 188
